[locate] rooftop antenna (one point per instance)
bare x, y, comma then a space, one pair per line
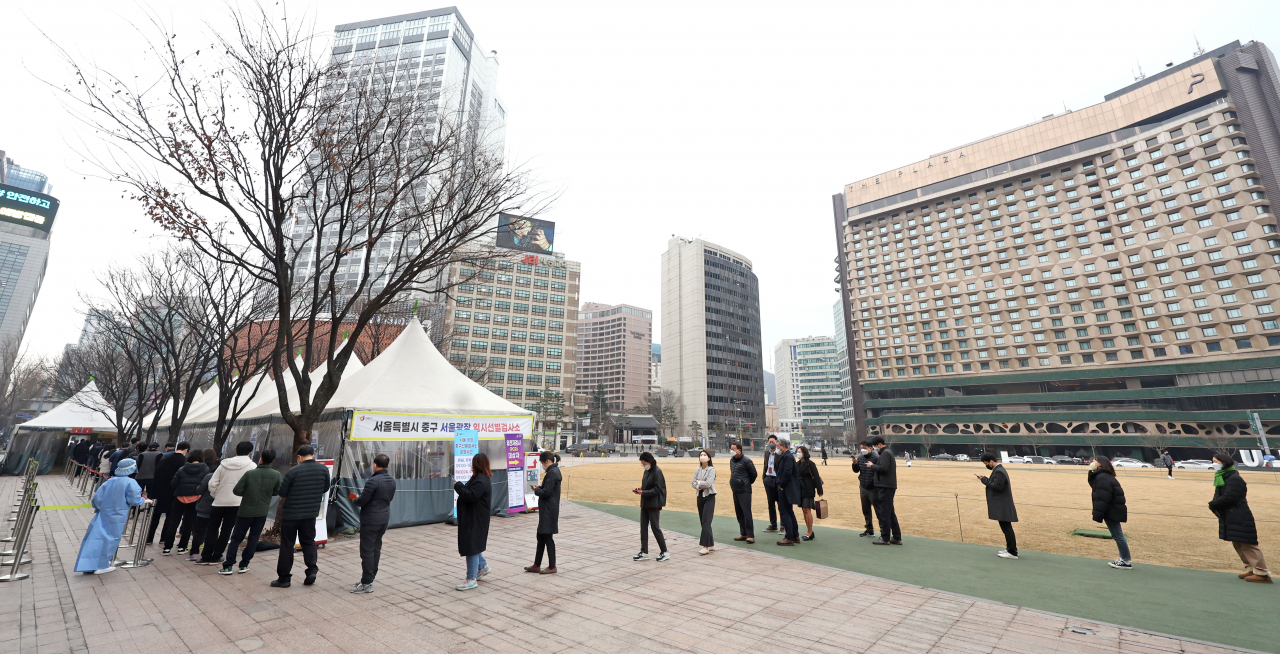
1199, 48
1141, 75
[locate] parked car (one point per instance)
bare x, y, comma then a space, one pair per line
1196, 464
962, 457
943, 457
1126, 462
1040, 460
1065, 460
1017, 459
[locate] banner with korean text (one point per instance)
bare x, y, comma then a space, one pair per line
378, 426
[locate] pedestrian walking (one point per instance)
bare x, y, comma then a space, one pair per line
866, 485
222, 517
162, 487
788, 493
907, 456
111, 505
704, 485
771, 482
548, 493
824, 454
302, 489
473, 519
375, 514
186, 492
147, 468
653, 496
885, 481
810, 486
1000, 503
255, 489
1235, 520
1109, 507
1167, 461
742, 475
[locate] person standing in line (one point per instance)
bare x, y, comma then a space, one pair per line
186, 492
1167, 461
704, 484
473, 519
1235, 521
810, 486
866, 485
222, 517
123, 453
886, 484
653, 496
80, 454
742, 475
771, 482
255, 488
1109, 507
194, 528
375, 514
548, 493
824, 454
162, 488
302, 490
788, 493
147, 467
111, 504
104, 464
1000, 503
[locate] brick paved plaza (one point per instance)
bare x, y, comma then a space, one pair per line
735, 600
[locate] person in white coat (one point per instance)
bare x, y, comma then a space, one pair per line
704, 482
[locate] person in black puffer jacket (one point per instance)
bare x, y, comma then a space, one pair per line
866, 484
302, 491
186, 492
374, 501
742, 475
1109, 507
1235, 520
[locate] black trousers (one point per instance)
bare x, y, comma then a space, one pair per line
1010, 541
146, 485
548, 543
370, 550
650, 517
742, 509
297, 531
245, 527
179, 514
888, 519
163, 504
868, 497
221, 520
706, 511
790, 528
771, 499
1170, 467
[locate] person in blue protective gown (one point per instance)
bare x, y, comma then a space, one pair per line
111, 511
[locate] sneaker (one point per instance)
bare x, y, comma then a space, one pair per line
665, 556
105, 570
204, 562
280, 583
866, 533
165, 552
466, 585
1119, 564
642, 556
362, 588
482, 573
548, 571
226, 571
193, 557
703, 551
538, 568
1004, 554
182, 550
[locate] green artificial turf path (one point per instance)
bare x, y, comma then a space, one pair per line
1207, 606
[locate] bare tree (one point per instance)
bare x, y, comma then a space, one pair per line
101, 361
22, 378
927, 441
339, 185
1157, 441
1220, 443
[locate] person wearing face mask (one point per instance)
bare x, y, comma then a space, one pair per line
810, 485
1109, 507
1235, 521
866, 484
653, 496
742, 474
886, 483
788, 493
1000, 503
704, 483
548, 513
771, 482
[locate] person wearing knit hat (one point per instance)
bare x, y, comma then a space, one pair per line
111, 511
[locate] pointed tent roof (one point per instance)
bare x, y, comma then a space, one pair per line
269, 402
411, 376
75, 414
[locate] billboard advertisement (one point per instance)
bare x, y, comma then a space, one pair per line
526, 234
27, 208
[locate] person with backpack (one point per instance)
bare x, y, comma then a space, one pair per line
653, 496
374, 501
187, 491
162, 488
1235, 521
1109, 507
742, 475
548, 493
255, 490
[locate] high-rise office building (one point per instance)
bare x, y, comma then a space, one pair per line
842, 360
806, 374
26, 225
1111, 270
615, 349
655, 370
712, 357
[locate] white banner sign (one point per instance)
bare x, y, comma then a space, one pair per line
377, 426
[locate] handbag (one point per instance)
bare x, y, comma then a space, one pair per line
820, 507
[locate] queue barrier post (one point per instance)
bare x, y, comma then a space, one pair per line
24, 535
140, 550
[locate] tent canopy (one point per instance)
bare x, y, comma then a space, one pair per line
76, 414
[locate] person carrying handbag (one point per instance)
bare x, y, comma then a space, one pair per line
810, 485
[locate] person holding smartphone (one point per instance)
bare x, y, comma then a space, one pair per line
653, 496
1000, 503
548, 493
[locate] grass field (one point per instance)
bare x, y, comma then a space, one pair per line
1169, 521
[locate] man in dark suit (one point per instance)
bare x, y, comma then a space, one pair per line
1000, 503
886, 484
788, 493
770, 474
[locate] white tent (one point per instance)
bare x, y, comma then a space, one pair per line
76, 414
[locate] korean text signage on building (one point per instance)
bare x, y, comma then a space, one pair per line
27, 208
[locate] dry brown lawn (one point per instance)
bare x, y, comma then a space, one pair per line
1169, 521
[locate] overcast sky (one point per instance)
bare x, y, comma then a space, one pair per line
733, 122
